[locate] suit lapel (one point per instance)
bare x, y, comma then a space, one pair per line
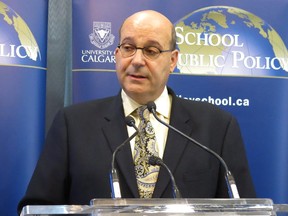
116, 133
175, 145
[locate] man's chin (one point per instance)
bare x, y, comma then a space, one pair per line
137, 94
136, 89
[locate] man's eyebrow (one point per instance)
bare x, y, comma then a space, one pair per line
127, 39
147, 43
154, 43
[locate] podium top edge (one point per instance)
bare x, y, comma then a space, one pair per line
184, 201
247, 206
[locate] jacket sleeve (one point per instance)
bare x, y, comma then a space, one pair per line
49, 183
233, 153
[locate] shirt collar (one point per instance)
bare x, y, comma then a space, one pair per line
162, 103
129, 104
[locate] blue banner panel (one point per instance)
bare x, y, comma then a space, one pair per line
22, 96
232, 54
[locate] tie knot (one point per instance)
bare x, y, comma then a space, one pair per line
143, 113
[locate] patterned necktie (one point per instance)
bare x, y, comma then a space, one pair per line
145, 146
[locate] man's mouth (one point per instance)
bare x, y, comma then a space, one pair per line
137, 76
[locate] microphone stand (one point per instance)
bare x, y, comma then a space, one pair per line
114, 178
230, 181
153, 160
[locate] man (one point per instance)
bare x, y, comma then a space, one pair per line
76, 160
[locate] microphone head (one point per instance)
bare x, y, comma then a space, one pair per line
130, 121
151, 106
154, 161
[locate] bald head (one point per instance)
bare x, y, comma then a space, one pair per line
151, 21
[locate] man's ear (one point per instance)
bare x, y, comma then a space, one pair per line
174, 59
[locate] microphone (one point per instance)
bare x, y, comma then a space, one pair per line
153, 160
231, 184
114, 178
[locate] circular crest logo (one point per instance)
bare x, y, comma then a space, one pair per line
101, 36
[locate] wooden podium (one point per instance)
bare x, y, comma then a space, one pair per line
123, 207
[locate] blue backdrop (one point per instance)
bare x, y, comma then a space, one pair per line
240, 63
22, 95
245, 74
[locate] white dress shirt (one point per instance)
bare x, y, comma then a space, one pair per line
163, 105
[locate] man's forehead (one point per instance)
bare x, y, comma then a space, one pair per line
149, 35
144, 22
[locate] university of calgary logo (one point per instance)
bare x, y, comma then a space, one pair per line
101, 36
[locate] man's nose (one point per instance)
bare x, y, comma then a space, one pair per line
138, 57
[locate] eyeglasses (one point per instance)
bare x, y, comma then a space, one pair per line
150, 52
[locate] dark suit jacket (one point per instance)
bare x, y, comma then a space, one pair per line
76, 160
